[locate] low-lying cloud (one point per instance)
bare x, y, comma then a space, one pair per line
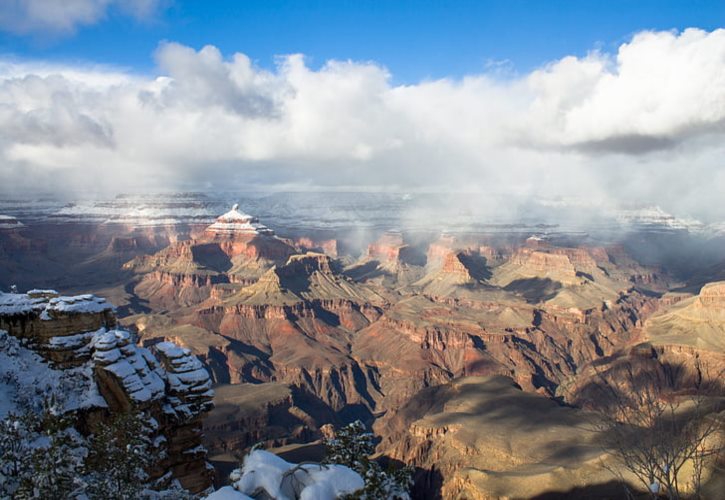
644, 125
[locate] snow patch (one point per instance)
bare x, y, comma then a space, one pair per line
228, 493
46, 302
235, 221
26, 380
286, 481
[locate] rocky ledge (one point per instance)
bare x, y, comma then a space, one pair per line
72, 341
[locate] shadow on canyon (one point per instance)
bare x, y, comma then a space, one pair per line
534, 290
477, 266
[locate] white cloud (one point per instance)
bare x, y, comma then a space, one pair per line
646, 123
63, 17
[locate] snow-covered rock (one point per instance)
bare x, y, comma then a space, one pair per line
17, 303
228, 493
189, 383
69, 349
281, 480
60, 327
134, 367
656, 219
78, 304
10, 222
234, 222
26, 379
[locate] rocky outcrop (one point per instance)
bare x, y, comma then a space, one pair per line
387, 248
59, 328
172, 387
391, 251
328, 246
541, 263
235, 249
453, 263
237, 223
440, 249
246, 414
712, 295
482, 437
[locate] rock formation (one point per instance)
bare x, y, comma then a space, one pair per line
482, 438
77, 336
235, 250
389, 262
300, 318
235, 223
697, 321
9, 222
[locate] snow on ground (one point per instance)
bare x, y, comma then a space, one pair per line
16, 303
228, 493
26, 379
286, 481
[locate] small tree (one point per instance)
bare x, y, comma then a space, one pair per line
14, 454
120, 453
352, 446
666, 439
41, 454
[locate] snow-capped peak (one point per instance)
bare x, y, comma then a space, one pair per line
235, 221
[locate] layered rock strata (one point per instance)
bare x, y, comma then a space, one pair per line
235, 250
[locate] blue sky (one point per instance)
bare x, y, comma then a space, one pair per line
415, 40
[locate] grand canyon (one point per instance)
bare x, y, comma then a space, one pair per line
472, 355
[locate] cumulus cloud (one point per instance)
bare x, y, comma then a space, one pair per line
645, 123
63, 17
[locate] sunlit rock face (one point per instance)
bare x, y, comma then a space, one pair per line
713, 295
483, 437
235, 250
299, 318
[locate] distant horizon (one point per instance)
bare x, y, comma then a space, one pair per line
519, 208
